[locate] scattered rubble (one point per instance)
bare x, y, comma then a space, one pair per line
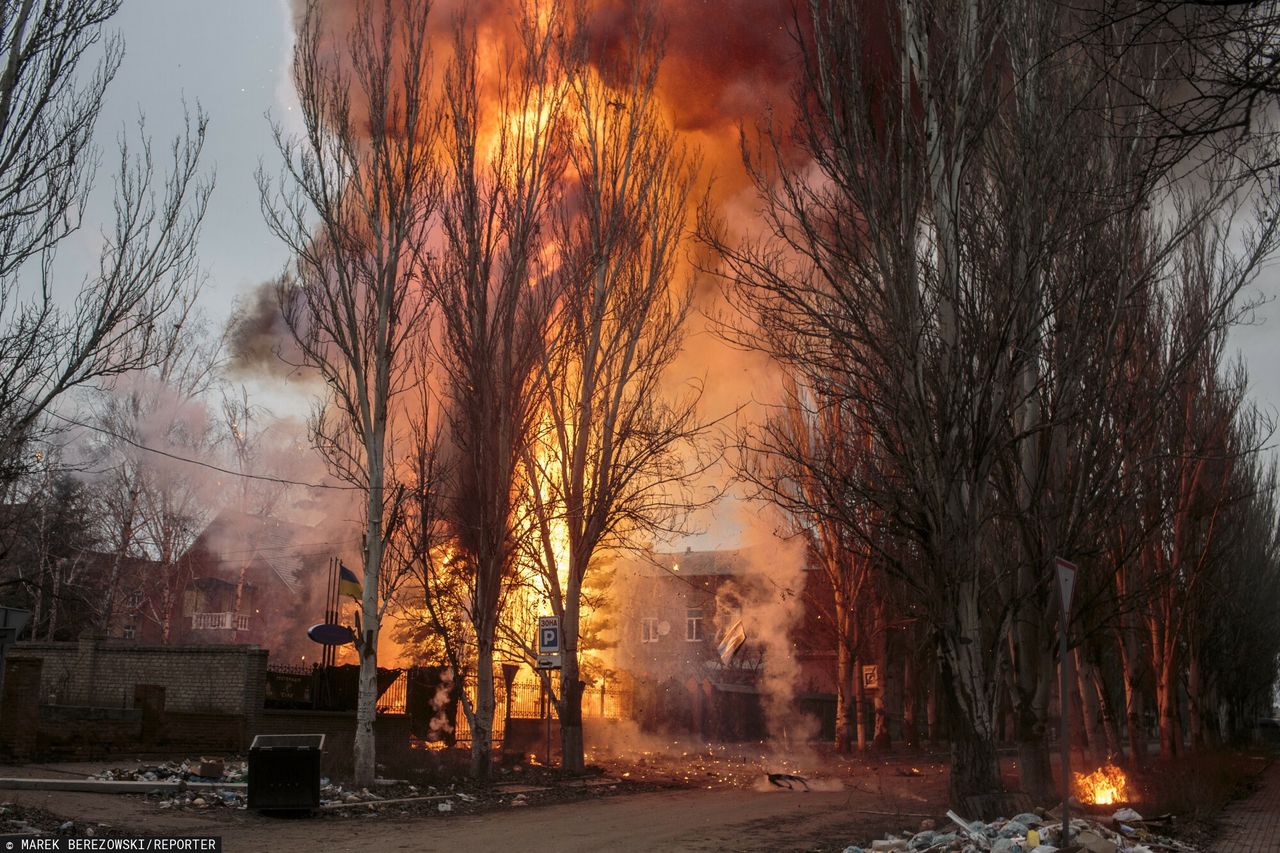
1031, 833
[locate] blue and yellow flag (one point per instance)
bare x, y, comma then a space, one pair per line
348, 583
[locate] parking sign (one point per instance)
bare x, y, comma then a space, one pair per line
548, 643
548, 635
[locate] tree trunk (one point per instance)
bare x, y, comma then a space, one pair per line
882, 738
365, 752
859, 706
931, 711
1133, 704
365, 755
1034, 772
59, 567
1084, 712
910, 735
572, 759
975, 769
1167, 706
482, 721
845, 705
1106, 709
113, 577
1195, 716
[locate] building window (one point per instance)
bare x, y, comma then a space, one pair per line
129, 632
693, 626
135, 599
649, 630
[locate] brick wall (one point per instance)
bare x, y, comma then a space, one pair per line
104, 673
78, 732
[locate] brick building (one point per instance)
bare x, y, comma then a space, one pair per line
254, 580
672, 610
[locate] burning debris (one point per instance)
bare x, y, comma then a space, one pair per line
1105, 786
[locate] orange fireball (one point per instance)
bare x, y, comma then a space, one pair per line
1105, 786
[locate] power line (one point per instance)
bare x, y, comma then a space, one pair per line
264, 477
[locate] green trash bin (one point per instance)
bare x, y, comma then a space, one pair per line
284, 772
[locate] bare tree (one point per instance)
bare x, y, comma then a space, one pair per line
355, 210
613, 457
495, 292
134, 305
809, 459
861, 281
149, 505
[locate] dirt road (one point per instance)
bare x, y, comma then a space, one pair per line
718, 818
683, 820
692, 820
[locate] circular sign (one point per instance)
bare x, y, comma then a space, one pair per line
327, 634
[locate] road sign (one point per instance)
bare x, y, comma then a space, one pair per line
548, 636
548, 661
1066, 571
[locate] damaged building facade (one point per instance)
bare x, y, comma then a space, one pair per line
673, 611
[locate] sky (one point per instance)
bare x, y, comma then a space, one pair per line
231, 58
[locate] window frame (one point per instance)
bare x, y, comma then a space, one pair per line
693, 632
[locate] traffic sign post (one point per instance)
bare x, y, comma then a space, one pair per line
1065, 573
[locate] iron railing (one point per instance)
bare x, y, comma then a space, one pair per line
219, 621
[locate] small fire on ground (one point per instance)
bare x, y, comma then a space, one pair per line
1103, 787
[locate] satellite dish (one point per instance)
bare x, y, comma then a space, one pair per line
327, 634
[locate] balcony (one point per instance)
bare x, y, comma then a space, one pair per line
219, 621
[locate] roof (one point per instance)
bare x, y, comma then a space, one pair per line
690, 563
286, 549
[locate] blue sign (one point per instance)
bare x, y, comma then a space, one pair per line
331, 635
548, 635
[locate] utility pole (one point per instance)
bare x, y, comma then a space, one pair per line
1066, 576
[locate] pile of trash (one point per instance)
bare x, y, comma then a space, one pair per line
1126, 830
331, 792
203, 770
209, 771
225, 797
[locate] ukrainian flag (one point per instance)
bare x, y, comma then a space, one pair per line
348, 583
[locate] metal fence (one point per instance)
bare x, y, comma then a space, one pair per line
392, 700
530, 702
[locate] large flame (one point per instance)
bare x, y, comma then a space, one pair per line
1105, 786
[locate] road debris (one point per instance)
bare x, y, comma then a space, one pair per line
1031, 833
786, 780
